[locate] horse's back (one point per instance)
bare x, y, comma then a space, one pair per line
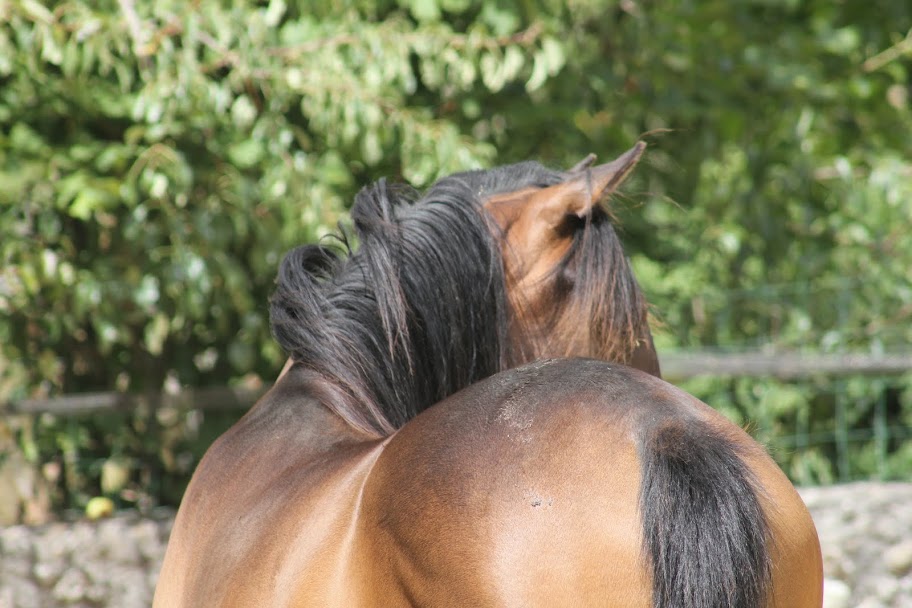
519, 491
524, 490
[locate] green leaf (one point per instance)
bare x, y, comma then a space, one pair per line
85, 204
502, 21
554, 55
243, 112
36, 11
423, 10
274, 12
492, 74
513, 62
51, 50
539, 72
371, 149
842, 41
456, 6
26, 140
246, 154
156, 333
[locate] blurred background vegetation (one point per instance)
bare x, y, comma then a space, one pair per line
157, 160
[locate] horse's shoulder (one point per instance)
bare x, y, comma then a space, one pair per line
286, 446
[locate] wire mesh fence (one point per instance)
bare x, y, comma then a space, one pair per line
827, 426
818, 370
855, 428
820, 374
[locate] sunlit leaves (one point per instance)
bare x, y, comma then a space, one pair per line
164, 160
152, 174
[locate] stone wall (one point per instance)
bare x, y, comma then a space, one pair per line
113, 562
865, 531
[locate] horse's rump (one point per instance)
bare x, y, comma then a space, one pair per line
525, 489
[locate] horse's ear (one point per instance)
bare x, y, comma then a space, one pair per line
582, 165
582, 188
585, 186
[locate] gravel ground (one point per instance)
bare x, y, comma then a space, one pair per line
866, 535
865, 530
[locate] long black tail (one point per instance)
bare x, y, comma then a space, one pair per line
704, 530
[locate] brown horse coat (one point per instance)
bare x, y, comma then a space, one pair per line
522, 490
556, 483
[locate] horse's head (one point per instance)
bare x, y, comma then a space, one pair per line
569, 282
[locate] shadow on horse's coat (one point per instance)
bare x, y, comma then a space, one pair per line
425, 449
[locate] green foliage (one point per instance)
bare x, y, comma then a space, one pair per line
155, 166
139, 459
156, 162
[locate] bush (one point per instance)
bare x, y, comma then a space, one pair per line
156, 163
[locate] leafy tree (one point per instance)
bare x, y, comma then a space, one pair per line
157, 159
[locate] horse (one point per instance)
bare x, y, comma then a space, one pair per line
464, 424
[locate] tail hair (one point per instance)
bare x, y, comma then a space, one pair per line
704, 531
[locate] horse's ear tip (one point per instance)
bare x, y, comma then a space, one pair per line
632, 156
584, 164
637, 149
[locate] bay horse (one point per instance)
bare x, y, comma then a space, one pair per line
458, 428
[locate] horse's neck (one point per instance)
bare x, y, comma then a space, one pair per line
287, 442
292, 405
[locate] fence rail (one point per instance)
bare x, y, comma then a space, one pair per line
88, 403
785, 366
676, 366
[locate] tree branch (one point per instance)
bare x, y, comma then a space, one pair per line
888, 55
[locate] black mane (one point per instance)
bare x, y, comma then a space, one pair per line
418, 312
594, 282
